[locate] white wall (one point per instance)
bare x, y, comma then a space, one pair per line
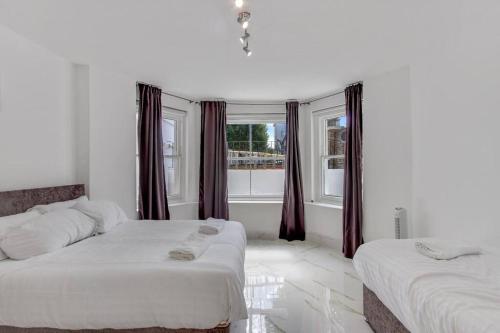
112, 133
36, 118
455, 81
82, 119
261, 219
387, 151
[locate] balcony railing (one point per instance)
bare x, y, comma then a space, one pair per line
256, 155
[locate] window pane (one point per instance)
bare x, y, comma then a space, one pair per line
172, 176
256, 158
238, 182
238, 137
336, 135
333, 176
268, 182
169, 134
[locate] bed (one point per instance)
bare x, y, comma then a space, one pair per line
122, 280
407, 292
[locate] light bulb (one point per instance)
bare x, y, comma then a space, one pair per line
247, 50
244, 38
238, 3
245, 25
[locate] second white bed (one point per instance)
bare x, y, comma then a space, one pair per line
427, 295
125, 279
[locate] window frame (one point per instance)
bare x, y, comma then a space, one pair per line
243, 119
180, 118
321, 155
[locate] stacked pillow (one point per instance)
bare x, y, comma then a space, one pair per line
44, 209
46, 228
47, 233
107, 214
8, 223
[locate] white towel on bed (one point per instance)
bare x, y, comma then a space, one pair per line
212, 226
445, 249
191, 248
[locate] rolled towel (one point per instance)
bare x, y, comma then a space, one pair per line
445, 249
191, 248
212, 226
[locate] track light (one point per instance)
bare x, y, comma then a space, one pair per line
244, 38
238, 3
244, 19
247, 50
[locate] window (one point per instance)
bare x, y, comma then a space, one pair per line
333, 160
172, 126
331, 129
172, 133
256, 159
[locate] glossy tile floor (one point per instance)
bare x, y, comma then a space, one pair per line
300, 287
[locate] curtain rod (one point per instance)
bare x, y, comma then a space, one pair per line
258, 104
180, 97
330, 95
166, 93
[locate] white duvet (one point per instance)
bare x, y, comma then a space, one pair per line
427, 295
125, 279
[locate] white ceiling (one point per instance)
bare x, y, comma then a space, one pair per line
301, 48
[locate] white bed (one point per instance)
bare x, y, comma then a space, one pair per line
125, 279
427, 295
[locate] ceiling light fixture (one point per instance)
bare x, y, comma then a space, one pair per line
245, 37
244, 19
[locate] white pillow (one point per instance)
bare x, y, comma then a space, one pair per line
14, 221
107, 214
47, 233
44, 209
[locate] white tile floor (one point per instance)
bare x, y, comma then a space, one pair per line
300, 287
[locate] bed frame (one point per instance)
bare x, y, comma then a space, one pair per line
15, 202
380, 318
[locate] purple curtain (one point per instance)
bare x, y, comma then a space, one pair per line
352, 212
153, 203
292, 215
213, 162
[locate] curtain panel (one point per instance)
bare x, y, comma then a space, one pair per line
292, 215
352, 213
213, 195
153, 204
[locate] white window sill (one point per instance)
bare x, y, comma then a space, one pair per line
325, 205
181, 203
255, 201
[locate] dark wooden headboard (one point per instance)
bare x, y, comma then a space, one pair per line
15, 202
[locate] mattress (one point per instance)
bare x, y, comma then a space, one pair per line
427, 295
125, 279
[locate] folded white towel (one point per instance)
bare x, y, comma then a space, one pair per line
445, 249
191, 248
212, 226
